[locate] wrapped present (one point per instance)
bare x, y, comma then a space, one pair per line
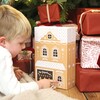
25, 54
98, 62
87, 80
24, 61
89, 51
55, 49
79, 11
89, 22
49, 13
24, 65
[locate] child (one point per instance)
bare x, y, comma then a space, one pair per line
18, 73
15, 30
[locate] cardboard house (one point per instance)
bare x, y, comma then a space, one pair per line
55, 50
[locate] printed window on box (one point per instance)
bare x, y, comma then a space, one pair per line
44, 52
55, 53
49, 36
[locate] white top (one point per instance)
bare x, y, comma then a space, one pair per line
63, 34
8, 81
51, 65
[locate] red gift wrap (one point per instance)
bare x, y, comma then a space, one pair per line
49, 13
24, 65
79, 11
87, 80
90, 23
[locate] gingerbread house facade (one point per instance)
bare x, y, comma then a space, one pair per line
55, 49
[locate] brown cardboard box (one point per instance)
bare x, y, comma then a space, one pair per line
55, 49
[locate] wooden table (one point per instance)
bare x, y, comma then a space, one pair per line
74, 93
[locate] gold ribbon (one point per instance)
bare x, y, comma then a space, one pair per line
48, 14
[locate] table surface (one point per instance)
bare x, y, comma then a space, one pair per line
75, 93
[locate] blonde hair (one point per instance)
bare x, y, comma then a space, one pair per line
13, 23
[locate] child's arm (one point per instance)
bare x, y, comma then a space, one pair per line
18, 73
47, 83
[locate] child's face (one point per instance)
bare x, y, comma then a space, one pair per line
15, 46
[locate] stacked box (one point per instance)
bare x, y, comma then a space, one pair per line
90, 50
88, 21
82, 10
55, 49
88, 73
87, 79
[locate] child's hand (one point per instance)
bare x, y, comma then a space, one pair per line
18, 73
47, 83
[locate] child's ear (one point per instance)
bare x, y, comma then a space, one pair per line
2, 41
